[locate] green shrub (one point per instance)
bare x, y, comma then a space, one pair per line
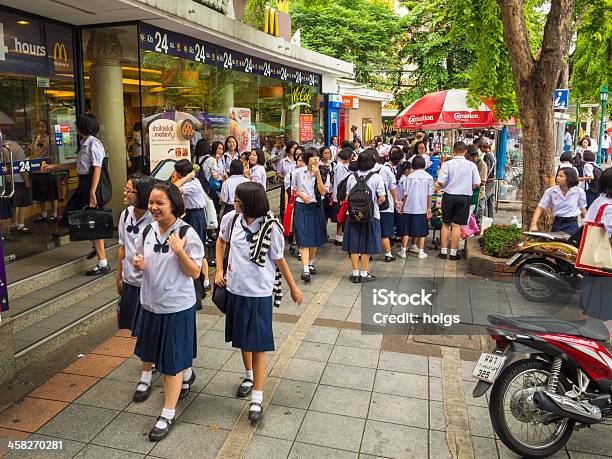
500, 241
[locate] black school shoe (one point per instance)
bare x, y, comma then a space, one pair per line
355, 279
244, 389
157, 434
142, 395
389, 258
366, 279
305, 277
185, 392
254, 415
98, 271
454, 257
312, 270
443, 256
337, 243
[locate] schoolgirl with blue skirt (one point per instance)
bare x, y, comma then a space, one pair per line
327, 174
236, 177
169, 256
363, 239
308, 215
341, 173
387, 215
253, 284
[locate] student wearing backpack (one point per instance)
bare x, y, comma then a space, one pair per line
341, 175
590, 179
308, 215
169, 258
387, 209
236, 177
365, 192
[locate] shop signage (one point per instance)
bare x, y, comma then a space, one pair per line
240, 127
301, 95
162, 41
306, 128
43, 82
32, 47
166, 142
350, 102
65, 138
23, 166
335, 101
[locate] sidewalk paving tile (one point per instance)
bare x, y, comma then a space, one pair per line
306, 451
154, 404
203, 377
322, 335
212, 358
354, 338
340, 400
235, 364
281, 422
394, 441
190, 440
267, 448
351, 356
399, 410
309, 350
224, 383
117, 346
435, 367
7, 435
484, 447
101, 452
349, 376
214, 338
304, 370
127, 432
94, 365
438, 447
409, 385
295, 394
211, 409
590, 441
480, 423
435, 389
129, 371
64, 387
68, 450
79, 422
331, 430
405, 363
30, 414
108, 393
468, 388
334, 313
437, 420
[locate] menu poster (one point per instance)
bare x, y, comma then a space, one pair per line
240, 127
306, 128
166, 142
65, 137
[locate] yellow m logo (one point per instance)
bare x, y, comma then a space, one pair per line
59, 52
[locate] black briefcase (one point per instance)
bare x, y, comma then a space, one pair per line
91, 224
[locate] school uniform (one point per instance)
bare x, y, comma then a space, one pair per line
129, 229
226, 159
258, 174
387, 216
248, 317
569, 165
458, 176
565, 208
327, 174
341, 171
417, 188
284, 169
228, 191
589, 171
335, 149
195, 204
308, 219
166, 325
364, 238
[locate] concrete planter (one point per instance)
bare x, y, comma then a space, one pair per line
484, 265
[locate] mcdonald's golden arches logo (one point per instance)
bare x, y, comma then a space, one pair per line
60, 56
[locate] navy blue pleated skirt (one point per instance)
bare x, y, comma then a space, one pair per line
168, 340
197, 219
413, 225
596, 296
387, 224
129, 307
362, 237
309, 225
248, 323
328, 206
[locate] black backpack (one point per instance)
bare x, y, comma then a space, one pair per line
360, 204
341, 191
201, 176
594, 184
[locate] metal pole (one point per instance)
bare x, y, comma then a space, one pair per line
601, 124
577, 127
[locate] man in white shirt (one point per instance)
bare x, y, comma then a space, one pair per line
605, 147
458, 178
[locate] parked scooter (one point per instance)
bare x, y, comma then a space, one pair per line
545, 266
549, 377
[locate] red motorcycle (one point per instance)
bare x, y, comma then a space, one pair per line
549, 377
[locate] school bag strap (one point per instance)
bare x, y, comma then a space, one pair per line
146, 231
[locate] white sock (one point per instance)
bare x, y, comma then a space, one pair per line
421, 251
20, 225
413, 246
206, 282
388, 254
364, 274
453, 252
355, 272
146, 378
168, 414
43, 214
103, 263
306, 269
311, 264
187, 374
443, 250
256, 397
339, 238
249, 374
403, 249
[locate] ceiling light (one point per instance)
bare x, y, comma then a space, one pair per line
23, 22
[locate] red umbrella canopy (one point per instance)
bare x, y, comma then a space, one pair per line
445, 110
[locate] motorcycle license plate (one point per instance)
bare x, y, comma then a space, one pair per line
488, 366
513, 259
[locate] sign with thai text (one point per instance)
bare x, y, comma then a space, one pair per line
306, 128
166, 142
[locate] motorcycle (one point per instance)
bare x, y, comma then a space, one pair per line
548, 377
545, 266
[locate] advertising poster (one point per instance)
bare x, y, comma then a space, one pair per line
240, 127
169, 139
306, 128
65, 138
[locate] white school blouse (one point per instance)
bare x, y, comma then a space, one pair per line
244, 277
458, 175
416, 187
129, 241
90, 154
304, 181
165, 286
564, 206
340, 173
258, 174
193, 194
390, 183
228, 189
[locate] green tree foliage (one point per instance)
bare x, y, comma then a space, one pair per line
364, 32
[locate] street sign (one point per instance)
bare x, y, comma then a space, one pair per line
561, 99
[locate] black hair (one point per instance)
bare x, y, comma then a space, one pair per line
566, 156
345, 154
415, 149
396, 156
588, 139
322, 149
236, 167
183, 167
142, 184
214, 146
174, 196
289, 146
588, 155
459, 146
87, 124
472, 151
347, 144
379, 159
261, 156
331, 139
418, 162
358, 140
227, 139
366, 160
605, 183
309, 153
137, 126
202, 148
244, 156
570, 175
253, 199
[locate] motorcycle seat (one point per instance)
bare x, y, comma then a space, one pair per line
589, 328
